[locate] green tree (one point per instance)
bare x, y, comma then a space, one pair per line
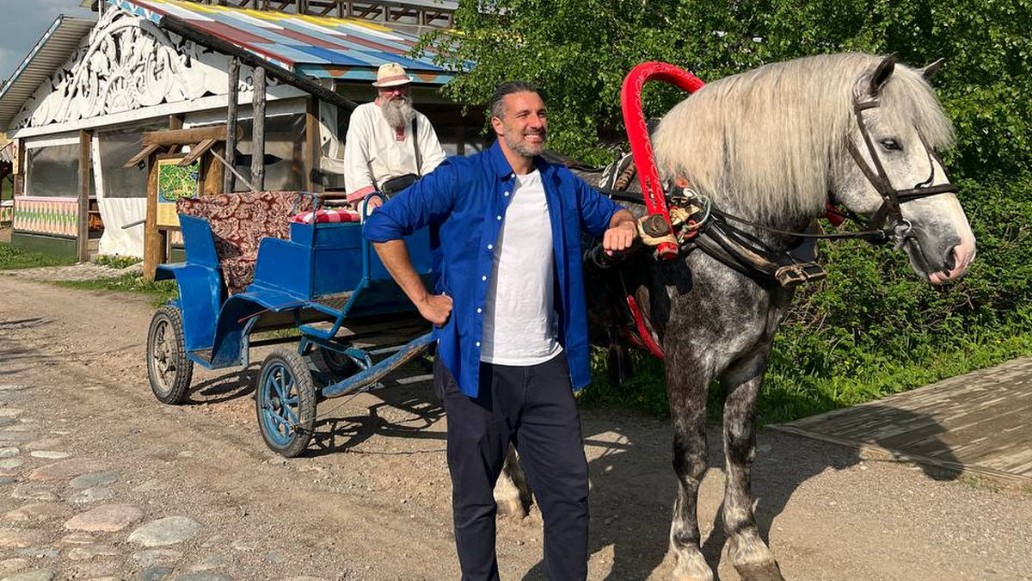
871, 314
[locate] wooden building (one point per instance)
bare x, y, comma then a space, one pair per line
78, 105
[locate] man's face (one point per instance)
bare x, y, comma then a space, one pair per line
393, 93
523, 124
396, 105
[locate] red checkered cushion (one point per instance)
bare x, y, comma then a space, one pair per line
327, 215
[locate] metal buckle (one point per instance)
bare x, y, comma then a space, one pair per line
793, 275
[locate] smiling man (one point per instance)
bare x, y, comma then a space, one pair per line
511, 323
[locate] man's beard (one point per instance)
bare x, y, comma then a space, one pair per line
524, 148
398, 112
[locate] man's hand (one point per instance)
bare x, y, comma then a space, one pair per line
619, 237
372, 203
435, 308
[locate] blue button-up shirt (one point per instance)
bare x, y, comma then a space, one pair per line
464, 201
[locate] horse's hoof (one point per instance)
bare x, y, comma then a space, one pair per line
511, 508
764, 572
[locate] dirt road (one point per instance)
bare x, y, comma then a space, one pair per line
100, 481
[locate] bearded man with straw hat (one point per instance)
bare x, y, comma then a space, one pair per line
389, 144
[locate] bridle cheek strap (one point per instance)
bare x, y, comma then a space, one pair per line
879, 178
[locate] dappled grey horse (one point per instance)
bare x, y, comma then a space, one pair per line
769, 149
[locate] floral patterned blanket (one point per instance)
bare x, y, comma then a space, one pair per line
239, 222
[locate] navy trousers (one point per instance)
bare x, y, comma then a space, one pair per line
532, 407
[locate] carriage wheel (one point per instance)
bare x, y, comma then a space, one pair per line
285, 402
337, 365
168, 368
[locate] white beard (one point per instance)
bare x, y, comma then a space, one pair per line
398, 112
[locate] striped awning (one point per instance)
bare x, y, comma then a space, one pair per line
314, 46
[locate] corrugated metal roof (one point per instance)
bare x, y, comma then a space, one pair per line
56, 46
319, 47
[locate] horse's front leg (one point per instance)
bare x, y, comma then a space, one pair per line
750, 555
687, 390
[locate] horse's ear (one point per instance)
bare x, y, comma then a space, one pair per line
929, 71
881, 75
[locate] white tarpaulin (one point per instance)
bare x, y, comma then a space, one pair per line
122, 192
117, 212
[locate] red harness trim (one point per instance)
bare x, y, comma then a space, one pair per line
644, 339
638, 136
833, 215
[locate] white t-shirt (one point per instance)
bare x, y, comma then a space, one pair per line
519, 319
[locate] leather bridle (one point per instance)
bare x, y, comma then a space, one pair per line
879, 179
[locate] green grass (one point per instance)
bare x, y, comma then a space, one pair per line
116, 261
160, 292
788, 394
15, 258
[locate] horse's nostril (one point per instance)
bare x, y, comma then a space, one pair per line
951, 260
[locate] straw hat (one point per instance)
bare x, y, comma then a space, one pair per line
391, 75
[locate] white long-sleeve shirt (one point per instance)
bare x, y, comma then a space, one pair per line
375, 152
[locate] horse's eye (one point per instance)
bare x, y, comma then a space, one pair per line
891, 145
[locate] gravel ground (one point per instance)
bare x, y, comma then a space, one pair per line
100, 481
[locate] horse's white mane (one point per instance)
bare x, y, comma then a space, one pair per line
769, 142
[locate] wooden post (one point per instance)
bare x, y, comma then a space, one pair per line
82, 239
18, 167
313, 144
213, 172
154, 239
231, 122
258, 132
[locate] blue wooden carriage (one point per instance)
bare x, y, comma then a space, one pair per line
322, 279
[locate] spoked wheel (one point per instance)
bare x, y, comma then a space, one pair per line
285, 402
168, 368
337, 365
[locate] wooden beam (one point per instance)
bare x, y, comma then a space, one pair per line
197, 151
258, 131
231, 122
313, 144
175, 137
82, 239
142, 156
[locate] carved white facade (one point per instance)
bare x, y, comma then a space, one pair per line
127, 64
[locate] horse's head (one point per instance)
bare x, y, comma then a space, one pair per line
894, 176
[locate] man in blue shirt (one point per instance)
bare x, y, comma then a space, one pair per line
511, 323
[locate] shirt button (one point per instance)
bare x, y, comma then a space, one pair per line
478, 343
499, 218
483, 277
507, 194
490, 246
479, 310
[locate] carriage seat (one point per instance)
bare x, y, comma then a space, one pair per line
239, 222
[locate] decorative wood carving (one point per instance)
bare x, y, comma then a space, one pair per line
125, 64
